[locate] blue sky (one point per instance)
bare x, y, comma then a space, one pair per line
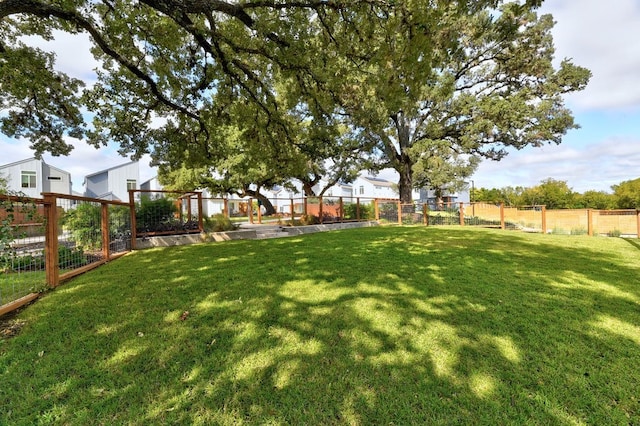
601, 36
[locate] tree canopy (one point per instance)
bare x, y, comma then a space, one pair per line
308, 87
556, 194
627, 194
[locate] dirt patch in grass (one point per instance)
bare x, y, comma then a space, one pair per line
10, 326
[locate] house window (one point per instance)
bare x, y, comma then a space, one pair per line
361, 190
28, 179
131, 184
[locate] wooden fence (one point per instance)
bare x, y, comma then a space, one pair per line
529, 218
317, 209
67, 236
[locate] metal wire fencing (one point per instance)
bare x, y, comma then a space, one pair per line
46, 241
22, 245
166, 212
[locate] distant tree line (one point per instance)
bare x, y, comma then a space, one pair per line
556, 194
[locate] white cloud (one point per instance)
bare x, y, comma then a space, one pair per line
73, 55
595, 166
601, 36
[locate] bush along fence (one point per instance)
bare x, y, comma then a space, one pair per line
155, 213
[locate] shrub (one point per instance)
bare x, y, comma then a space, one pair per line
580, 230
218, 223
614, 233
309, 219
153, 214
366, 211
84, 224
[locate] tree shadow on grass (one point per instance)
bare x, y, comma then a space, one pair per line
403, 325
633, 242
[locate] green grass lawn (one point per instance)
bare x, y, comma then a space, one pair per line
14, 285
391, 325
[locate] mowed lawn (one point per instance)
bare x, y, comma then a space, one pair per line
387, 325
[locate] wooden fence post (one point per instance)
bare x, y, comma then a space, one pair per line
590, 222
376, 208
341, 210
225, 204
52, 269
189, 212
461, 211
320, 209
106, 249
638, 223
259, 212
544, 219
502, 224
132, 215
399, 213
200, 219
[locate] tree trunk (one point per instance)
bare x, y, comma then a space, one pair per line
439, 200
262, 199
405, 183
404, 164
266, 203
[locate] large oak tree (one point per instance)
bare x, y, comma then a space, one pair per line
452, 83
422, 84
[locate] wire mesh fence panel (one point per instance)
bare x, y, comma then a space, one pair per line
358, 209
312, 207
445, 214
165, 213
331, 209
411, 214
215, 206
22, 246
388, 211
119, 229
80, 239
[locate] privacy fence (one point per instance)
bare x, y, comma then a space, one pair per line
46, 241
529, 218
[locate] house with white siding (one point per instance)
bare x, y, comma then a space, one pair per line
152, 184
34, 176
373, 187
113, 183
